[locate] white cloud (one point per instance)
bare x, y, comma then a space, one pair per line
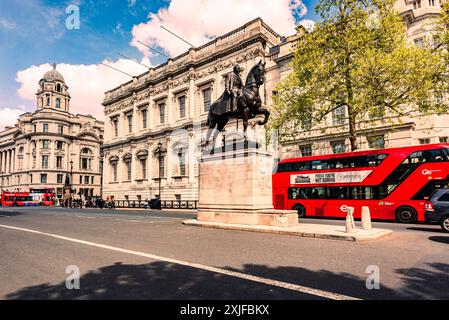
198, 21
308, 24
6, 24
87, 83
8, 117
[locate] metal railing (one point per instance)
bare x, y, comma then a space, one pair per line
165, 204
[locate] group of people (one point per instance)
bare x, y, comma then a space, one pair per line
88, 203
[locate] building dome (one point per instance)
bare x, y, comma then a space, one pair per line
53, 75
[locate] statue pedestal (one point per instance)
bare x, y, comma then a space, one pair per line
235, 188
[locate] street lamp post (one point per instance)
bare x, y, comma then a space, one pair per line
159, 151
71, 181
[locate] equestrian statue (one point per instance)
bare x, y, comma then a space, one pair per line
238, 101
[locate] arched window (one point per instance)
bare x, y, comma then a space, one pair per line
58, 103
58, 87
48, 101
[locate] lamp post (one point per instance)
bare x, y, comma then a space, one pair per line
159, 151
71, 178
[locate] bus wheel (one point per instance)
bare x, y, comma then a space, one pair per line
406, 215
301, 210
41, 204
14, 204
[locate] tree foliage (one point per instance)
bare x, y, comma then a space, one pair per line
358, 58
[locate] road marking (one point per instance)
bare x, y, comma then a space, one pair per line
275, 283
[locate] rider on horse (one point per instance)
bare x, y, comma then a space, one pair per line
234, 87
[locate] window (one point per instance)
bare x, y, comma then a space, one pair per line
161, 166
58, 162
444, 197
59, 145
346, 162
130, 123
144, 118
424, 141
419, 42
207, 99
306, 122
338, 146
114, 171
45, 162
59, 178
143, 166
86, 179
92, 180
115, 126
34, 128
128, 170
58, 103
417, 4
434, 155
85, 164
178, 197
31, 178
444, 139
45, 127
161, 113
48, 101
182, 106
81, 179
60, 129
182, 163
45, 144
58, 87
432, 3
376, 142
305, 150
338, 116
44, 178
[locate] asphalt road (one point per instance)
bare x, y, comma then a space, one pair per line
151, 255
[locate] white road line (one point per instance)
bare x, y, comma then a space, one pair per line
275, 283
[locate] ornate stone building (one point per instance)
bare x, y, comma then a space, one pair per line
332, 135
46, 145
169, 105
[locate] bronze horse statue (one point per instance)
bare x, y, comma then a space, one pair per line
249, 105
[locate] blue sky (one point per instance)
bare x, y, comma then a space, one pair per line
32, 32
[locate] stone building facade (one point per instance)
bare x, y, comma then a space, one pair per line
50, 143
332, 135
169, 105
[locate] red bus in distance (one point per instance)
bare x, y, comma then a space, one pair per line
18, 199
44, 197
394, 183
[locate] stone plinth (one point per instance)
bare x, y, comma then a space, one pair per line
235, 188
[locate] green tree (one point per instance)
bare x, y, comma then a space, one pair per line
358, 58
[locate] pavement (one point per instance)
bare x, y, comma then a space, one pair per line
308, 230
152, 255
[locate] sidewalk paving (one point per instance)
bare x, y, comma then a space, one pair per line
320, 231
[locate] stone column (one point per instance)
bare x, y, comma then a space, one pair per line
191, 95
191, 157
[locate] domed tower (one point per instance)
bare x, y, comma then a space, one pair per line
52, 92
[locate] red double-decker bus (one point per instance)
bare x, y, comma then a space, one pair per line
394, 183
17, 199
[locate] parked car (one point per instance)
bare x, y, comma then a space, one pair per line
437, 208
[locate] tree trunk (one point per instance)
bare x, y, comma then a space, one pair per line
352, 132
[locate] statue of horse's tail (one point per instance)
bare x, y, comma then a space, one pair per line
208, 119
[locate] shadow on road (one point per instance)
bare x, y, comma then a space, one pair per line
10, 212
161, 280
440, 239
426, 283
429, 229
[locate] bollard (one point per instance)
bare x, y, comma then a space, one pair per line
366, 218
351, 214
349, 225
